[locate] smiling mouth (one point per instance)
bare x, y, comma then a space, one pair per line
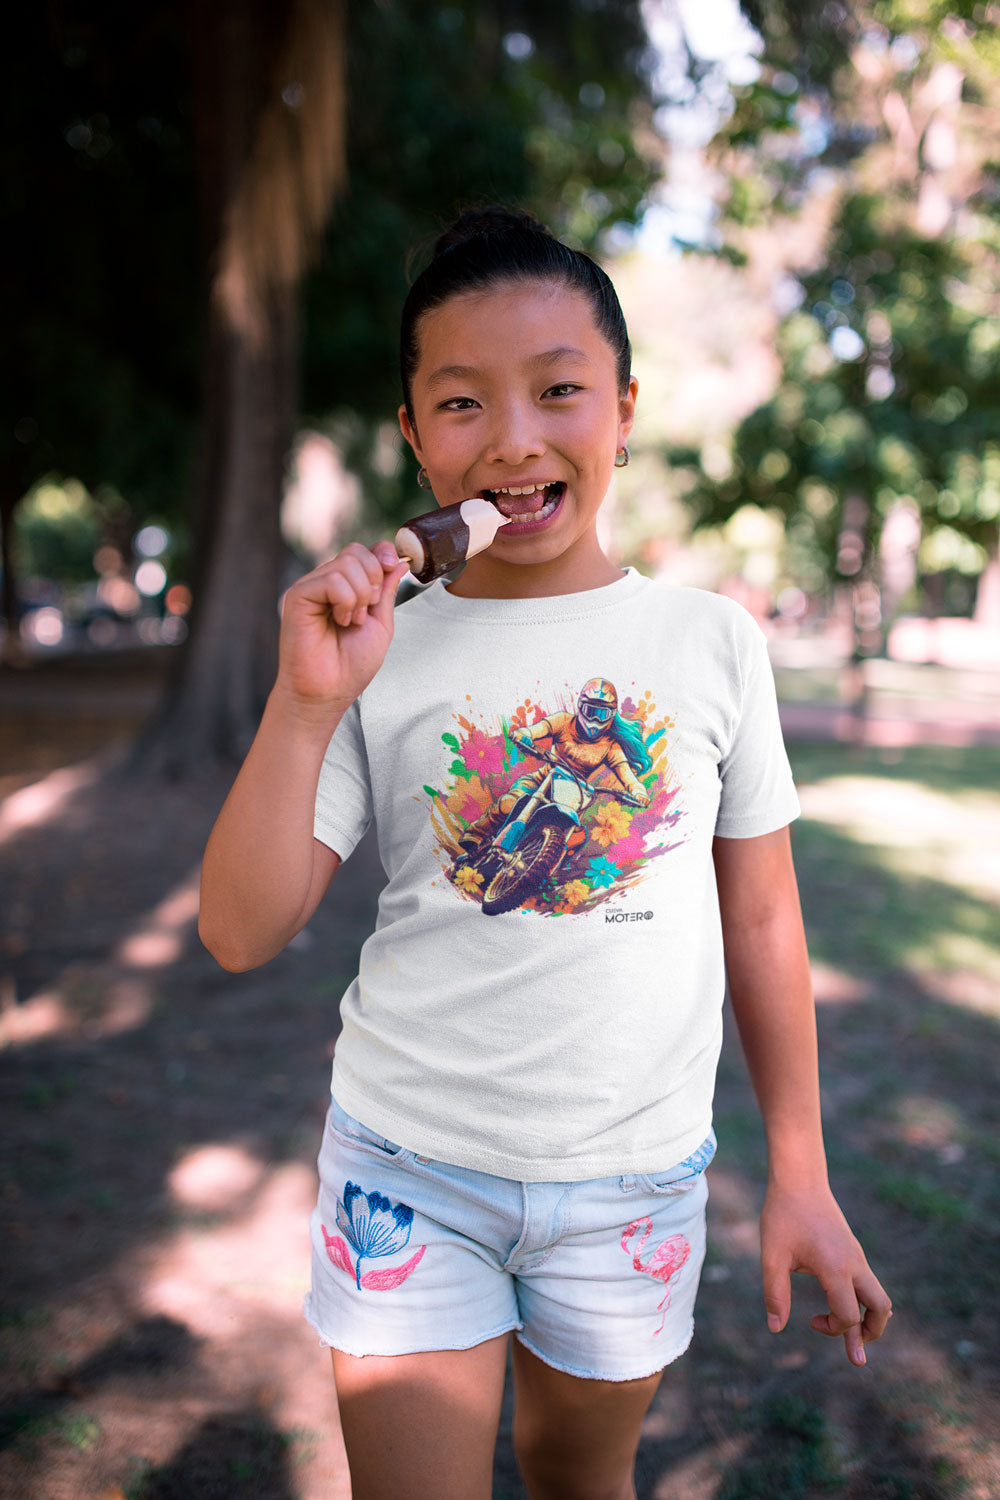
522, 504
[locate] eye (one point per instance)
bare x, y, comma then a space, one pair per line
564, 388
457, 403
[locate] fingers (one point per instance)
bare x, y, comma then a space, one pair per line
355, 581
777, 1296
859, 1312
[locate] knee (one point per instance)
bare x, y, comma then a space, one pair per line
550, 1472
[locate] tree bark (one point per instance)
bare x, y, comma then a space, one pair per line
229, 661
276, 169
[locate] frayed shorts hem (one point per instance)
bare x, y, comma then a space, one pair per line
343, 1346
615, 1376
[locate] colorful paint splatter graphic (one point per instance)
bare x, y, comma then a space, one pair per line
622, 816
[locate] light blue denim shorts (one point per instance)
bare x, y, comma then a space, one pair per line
597, 1278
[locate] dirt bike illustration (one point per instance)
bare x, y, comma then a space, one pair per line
533, 840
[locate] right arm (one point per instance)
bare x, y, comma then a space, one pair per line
264, 872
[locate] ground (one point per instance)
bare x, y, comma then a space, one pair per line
161, 1120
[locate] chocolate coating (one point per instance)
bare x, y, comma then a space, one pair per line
444, 537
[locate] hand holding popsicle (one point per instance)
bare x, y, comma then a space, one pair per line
337, 621
336, 625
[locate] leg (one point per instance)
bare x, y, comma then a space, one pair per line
422, 1426
576, 1439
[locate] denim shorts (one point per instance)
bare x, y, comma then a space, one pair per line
597, 1278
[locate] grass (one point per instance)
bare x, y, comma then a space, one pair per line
896, 858
792, 1454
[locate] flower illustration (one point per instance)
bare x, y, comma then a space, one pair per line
602, 872
469, 799
629, 849
611, 823
484, 752
372, 1224
470, 881
575, 892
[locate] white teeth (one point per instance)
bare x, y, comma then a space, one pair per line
524, 489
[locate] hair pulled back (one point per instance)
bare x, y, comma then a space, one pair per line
488, 247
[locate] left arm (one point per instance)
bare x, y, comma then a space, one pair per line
802, 1227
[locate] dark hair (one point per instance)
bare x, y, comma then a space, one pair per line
486, 247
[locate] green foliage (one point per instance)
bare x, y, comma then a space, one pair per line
914, 414
889, 387
58, 530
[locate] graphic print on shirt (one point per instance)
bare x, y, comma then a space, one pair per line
559, 807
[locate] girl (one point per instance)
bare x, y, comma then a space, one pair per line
521, 1102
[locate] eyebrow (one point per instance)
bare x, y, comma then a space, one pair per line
467, 372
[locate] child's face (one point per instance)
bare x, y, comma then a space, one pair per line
517, 387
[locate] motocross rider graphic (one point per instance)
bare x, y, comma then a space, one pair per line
595, 738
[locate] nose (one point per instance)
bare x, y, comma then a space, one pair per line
514, 434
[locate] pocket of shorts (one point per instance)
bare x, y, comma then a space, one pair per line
346, 1129
683, 1176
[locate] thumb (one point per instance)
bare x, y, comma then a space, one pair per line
777, 1298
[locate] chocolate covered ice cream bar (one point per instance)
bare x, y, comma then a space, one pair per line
437, 542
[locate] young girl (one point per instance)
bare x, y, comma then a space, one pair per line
522, 1093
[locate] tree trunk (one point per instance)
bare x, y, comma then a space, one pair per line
267, 173
229, 661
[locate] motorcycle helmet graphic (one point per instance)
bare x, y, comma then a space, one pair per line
596, 707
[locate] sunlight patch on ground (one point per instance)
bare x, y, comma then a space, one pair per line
161, 937
106, 998
214, 1178
211, 1275
833, 987
46, 799
952, 837
930, 1123
944, 847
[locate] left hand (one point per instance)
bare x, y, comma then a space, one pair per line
807, 1232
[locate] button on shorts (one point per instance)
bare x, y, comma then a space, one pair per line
597, 1278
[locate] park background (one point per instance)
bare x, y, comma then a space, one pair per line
208, 215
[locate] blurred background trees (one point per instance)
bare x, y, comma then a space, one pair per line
878, 449
208, 214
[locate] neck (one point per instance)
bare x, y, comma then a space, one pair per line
488, 576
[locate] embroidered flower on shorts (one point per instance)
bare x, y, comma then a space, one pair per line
374, 1227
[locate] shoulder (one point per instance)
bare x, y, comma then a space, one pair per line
705, 611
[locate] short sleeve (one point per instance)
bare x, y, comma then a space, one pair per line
344, 796
758, 793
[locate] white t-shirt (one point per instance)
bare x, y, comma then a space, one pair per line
576, 1035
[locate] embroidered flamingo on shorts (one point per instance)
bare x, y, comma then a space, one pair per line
665, 1261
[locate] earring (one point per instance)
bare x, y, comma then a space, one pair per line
424, 481
622, 456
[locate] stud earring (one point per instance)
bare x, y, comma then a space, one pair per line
622, 456
424, 482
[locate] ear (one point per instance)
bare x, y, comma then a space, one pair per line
409, 431
626, 410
